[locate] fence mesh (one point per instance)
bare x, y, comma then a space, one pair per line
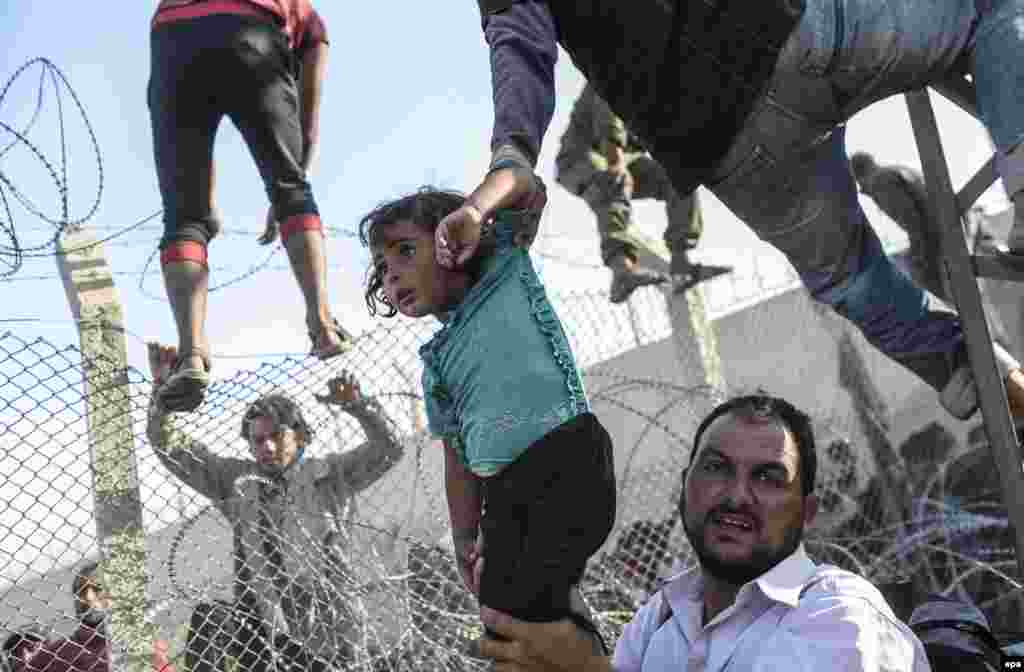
187, 532
370, 580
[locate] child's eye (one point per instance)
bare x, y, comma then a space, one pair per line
407, 249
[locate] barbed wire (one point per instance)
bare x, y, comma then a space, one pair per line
57, 170
42, 406
939, 545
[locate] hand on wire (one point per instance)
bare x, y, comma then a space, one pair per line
342, 390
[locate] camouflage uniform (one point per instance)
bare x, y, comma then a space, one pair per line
583, 169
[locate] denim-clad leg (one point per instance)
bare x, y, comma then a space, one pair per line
997, 63
787, 176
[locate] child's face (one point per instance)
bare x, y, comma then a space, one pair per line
412, 279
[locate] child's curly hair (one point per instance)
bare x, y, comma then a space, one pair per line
426, 208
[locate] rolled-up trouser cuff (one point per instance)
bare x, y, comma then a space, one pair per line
193, 229
183, 250
298, 223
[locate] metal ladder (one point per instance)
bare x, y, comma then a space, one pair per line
963, 269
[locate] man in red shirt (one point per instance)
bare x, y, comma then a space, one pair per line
85, 650
261, 63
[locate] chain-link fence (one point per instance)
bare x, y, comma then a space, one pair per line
346, 563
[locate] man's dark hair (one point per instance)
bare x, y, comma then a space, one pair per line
11, 652
282, 412
20, 637
764, 406
85, 573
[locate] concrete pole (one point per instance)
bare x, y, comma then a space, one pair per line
695, 339
94, 303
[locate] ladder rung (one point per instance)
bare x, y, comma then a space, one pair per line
976, 186
998, 267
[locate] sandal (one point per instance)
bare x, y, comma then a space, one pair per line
327, 351
185, 387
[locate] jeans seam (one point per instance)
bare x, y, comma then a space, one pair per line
839, 27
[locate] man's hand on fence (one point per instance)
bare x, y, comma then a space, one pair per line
161, 657
161, 359
342, 391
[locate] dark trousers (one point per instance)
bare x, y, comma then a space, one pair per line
201, 70
218, 630
544, 516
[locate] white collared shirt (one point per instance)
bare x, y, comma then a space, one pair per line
797, 616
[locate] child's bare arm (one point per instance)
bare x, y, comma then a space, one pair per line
464, 505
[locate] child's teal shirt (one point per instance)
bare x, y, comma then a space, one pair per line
499, 375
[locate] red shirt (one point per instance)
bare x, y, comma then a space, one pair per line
87, 650
298, 19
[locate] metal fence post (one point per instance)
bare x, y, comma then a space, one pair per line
963, 269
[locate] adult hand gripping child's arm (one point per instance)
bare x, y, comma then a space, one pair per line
458, 235
523, 52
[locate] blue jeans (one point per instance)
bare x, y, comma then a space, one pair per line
787, 176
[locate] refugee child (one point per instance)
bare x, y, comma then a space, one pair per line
529, 470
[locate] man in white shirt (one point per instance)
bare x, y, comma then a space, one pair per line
755, 602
